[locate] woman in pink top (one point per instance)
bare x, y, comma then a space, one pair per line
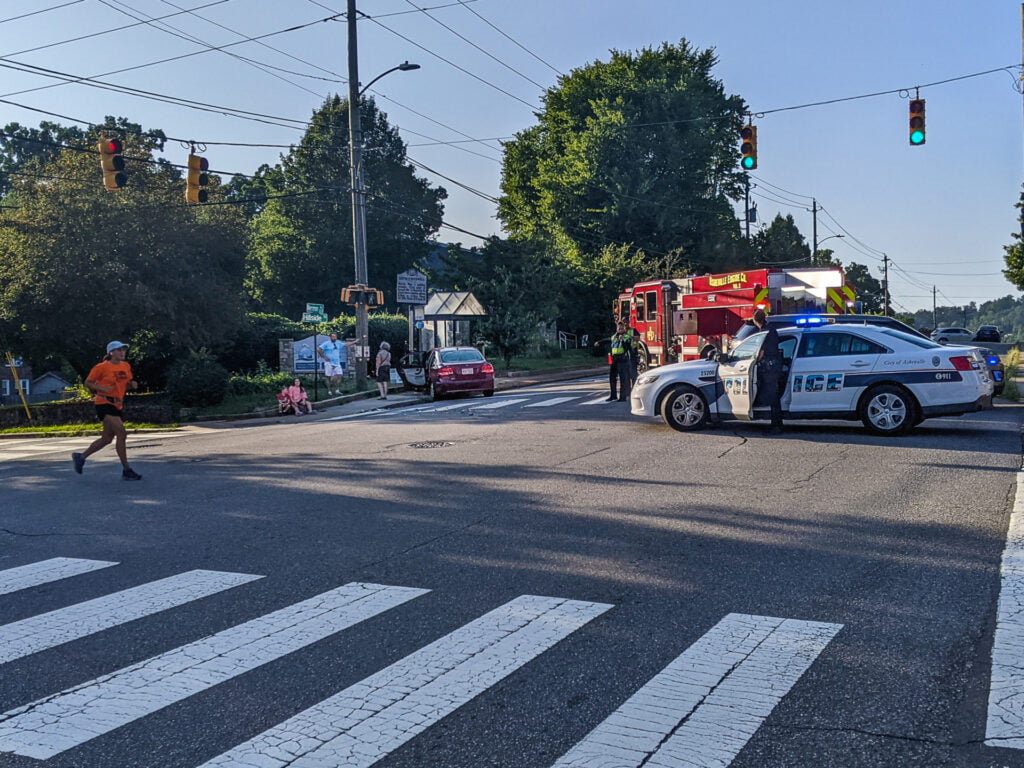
297, 396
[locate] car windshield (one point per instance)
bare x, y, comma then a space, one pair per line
461, 356
917, 341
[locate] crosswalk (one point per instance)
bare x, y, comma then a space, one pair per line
700, 710
523, 400
31, 448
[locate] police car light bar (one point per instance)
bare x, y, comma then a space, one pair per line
810, 320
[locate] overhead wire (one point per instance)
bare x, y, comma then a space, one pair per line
41, 10
465, 4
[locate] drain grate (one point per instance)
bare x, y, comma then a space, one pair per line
431, 444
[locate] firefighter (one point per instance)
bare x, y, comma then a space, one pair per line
769, 371
618, 364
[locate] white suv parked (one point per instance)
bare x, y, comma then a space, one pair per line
953, 335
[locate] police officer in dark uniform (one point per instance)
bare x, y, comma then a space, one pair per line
618, 363
769, 371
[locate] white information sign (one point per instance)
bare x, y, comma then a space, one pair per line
411, 287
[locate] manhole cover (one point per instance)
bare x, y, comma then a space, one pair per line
432, 444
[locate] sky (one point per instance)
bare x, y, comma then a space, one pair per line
941, 212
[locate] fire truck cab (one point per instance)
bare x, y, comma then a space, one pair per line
692, 317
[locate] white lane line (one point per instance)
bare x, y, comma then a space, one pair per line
703, 707
602, 399
499, 404
1005, 727
359, 726
55, 628
59, 722
45, 571
552, 401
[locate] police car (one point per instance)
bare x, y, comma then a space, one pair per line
889, 379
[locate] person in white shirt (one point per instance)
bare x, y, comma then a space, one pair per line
335, 357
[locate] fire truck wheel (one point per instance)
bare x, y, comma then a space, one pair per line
887, 409
708, 353
684, 408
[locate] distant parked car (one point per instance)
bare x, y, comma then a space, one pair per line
988, 333
995, 368
458, 369
952, 335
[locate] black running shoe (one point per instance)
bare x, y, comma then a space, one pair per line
130, 474
79, 462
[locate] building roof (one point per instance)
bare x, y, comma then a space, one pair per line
453, 305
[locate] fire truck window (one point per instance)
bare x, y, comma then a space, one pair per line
652, 305
640, 313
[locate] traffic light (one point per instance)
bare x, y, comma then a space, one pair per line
196, 181
360, 294
373, 297
112, 163
748, 147
917, 129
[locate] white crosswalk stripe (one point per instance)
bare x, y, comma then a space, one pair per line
48, 630
700, 710
551, 402
1005, 727
14, 449
499, 404
704, 707
55, 569
367, 721
57, 723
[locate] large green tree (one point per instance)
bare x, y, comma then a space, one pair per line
781, 244
869, 289
639, 150
80, 265
1014, 252
301, 239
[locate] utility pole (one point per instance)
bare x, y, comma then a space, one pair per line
885, 283
746, 208
814, 218
355, 130
935, 321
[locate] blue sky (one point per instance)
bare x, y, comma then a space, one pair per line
942, 212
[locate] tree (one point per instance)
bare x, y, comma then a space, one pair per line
781, 244
301, 239
517, 287
639, 150
868, 288
80, 265
1014, 253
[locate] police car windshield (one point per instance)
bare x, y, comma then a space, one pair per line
917, 341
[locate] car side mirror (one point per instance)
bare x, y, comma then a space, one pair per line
719, 357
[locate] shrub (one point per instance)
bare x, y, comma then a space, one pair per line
198, 380
263, 381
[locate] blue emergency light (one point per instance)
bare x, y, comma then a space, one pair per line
810, 320
993, 361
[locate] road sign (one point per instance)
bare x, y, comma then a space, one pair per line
314, 309
411, 287
314, 317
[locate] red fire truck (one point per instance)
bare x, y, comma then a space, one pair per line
691, 317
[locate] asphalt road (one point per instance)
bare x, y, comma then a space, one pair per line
875, 561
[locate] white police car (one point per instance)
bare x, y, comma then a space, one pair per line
888, 379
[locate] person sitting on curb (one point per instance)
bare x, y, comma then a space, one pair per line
284, 403
298, 398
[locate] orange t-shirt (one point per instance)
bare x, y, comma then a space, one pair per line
113, 377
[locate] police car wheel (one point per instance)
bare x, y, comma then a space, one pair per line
888, 410
684, 409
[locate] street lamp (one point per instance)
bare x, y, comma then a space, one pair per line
355, 140
817, 244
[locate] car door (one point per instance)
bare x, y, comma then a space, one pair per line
817, 380
735, 371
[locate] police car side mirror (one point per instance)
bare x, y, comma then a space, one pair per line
719, 357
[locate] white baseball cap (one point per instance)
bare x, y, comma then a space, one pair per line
115, 345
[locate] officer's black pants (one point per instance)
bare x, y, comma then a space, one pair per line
618, 373
769, 390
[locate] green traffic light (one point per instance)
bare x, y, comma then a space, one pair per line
917, 137
749, 163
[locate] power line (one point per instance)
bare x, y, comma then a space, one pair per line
465, 4
42, 10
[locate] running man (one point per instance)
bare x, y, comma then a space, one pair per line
108, 382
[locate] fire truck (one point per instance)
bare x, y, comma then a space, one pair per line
692, 317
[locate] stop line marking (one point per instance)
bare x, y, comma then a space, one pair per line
1005, 726
55, 569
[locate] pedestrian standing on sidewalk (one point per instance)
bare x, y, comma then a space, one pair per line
108, 381
335, 355
383, 364
618, 364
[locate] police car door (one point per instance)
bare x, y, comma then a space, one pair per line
735, 371
817, 380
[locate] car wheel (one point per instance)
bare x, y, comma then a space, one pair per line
685, 409
432, 391
488, 393
888, 410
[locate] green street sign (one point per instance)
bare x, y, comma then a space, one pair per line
314, 309
314, 317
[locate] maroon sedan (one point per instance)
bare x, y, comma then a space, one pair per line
458, 369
